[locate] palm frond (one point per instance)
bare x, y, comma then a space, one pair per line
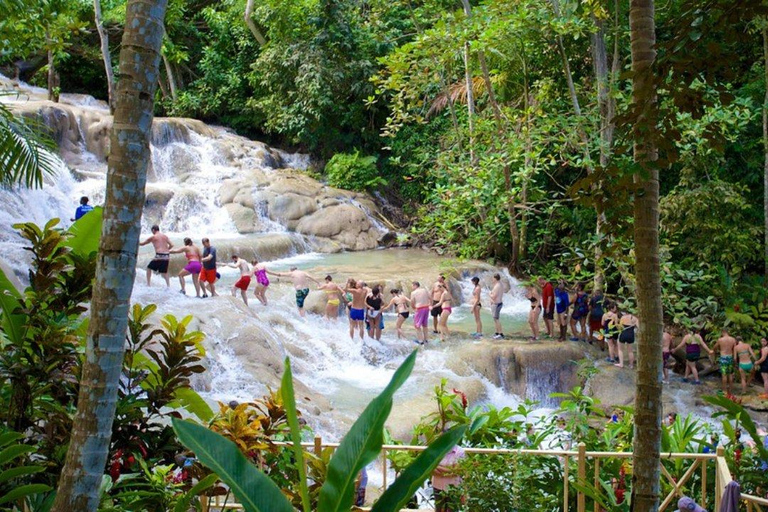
25, 156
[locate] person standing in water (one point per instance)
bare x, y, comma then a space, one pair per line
762, 364
357, 309
666, 353
82, 209
745, 358
374, 302
193, 267
693, 343
497, 294
159, 263
437, 292
334, 294
446, 308
420, 302
725, 346
208, 273
627, 327
262, 281
562, 303
400, 303
244, 282
548, 305
477, 307
533, 315
300, 280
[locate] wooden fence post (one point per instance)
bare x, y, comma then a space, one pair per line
581, 501
318, 445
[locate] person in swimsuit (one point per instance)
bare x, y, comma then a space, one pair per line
627, 327
548, 305
437, 292
725, 345
374, 301
193, 268
562, 303
580, 313
666, 353
497, 294
262, 281
208, 273
745, 358
476, 308
692, 343
533, 315
446, 308
610, 322
357, 309
420, 301
596, 315
334, 294
159, 263
762, 364
244, 281
300, 280
401, 305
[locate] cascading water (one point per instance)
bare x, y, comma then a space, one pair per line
195, 169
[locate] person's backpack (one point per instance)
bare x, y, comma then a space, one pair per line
582, 306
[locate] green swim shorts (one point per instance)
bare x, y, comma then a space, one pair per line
726, 365
300, 296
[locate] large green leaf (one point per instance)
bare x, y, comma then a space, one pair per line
289, 401
203, 485
86, 232
395, 497
12, 473
252, 488
24, 490
193, 403
12, 324
360, 446
737, 412
14, 451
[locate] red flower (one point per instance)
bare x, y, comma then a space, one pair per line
463, 397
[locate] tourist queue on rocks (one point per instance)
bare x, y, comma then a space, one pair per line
594, 319
363, 304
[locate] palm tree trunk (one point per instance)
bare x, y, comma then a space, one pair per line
104, 38
765, 148
129, 158
648, 411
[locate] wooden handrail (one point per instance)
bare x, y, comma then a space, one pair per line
722, 472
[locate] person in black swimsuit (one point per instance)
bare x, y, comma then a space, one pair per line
401, 305
374, 303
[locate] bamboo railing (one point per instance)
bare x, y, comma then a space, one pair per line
699, 461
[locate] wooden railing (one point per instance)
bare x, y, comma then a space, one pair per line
699, 461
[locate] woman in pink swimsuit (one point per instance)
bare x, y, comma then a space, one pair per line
262, 281
193, 255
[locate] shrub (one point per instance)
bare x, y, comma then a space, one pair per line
353, 172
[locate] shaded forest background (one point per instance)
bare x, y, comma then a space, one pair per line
500, 129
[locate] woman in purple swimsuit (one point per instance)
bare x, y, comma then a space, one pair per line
262, 281
193, 268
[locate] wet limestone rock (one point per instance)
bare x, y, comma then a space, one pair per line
245, 219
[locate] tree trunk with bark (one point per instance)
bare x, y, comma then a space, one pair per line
128, 162
648, 410
171, 79
765, 148
251, 25
52, 94
106, 57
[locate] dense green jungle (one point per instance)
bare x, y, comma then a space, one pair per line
508, 131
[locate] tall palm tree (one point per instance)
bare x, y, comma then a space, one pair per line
648, 411
126, 178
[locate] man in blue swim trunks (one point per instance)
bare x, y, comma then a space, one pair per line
300, 280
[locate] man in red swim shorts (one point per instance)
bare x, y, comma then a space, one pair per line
244, 282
